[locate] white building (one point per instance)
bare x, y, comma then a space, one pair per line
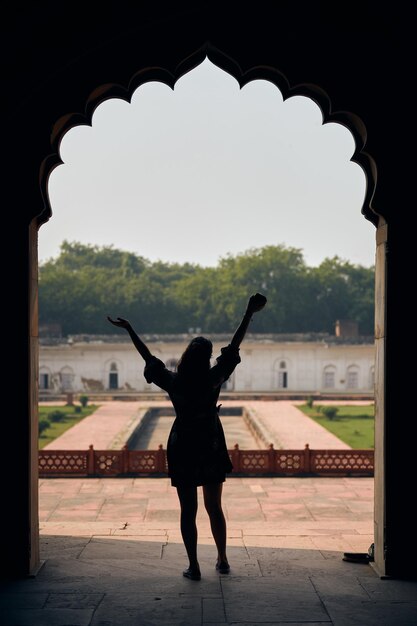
302, 363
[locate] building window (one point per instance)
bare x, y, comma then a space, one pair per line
113, 380
282, 379
280, 374
44, 380
372, 378
67, 377
329, 378
352, 379
113, 377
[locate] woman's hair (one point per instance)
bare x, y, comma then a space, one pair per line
195, 360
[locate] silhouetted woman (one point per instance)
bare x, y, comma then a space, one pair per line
196, 450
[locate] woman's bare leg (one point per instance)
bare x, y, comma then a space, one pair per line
189, 504
213, 503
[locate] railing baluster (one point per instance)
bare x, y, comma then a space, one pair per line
307, 459
236, 458
160, 459
271, 458
125, 460
90, 461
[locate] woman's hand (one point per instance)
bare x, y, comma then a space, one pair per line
120, 322
256, 303
142, 348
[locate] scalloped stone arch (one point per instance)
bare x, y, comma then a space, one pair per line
357, 63
159, 74
288, 88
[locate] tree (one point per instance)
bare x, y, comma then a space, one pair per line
85, 283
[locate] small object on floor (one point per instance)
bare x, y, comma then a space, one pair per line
192, 574
360, 557
356, 557
223, 568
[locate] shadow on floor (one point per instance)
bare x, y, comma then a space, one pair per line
137, 580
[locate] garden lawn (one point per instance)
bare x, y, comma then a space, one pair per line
70, 419
352, 424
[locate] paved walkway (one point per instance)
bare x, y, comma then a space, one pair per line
290, 428
107, 428
113, 556
110, 426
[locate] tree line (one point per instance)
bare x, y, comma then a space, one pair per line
84, 283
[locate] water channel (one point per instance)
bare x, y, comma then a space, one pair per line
155, 427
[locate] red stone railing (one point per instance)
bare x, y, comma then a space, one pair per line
270, 462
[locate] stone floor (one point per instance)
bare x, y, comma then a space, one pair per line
113, 555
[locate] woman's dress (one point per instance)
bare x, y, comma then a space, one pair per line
196, 449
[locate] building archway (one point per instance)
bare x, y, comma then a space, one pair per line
325, 67
281, 376
113, 370
45, 378
329, 377
226, 63
66, 379
352, 377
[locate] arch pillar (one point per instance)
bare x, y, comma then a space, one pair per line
380, 330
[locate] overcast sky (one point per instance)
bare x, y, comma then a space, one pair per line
207, 169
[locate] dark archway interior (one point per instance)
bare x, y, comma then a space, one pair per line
59, 65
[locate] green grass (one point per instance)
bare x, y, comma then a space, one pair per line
57, 428
352, 424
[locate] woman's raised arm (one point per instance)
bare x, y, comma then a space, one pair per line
255, 304
142, 348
